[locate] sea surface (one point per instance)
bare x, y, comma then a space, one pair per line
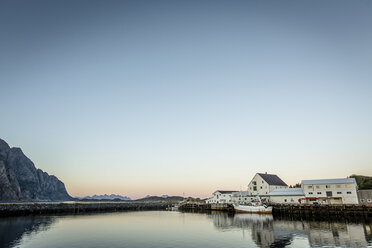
163, 229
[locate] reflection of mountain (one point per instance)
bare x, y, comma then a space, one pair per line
12, 229
267, 232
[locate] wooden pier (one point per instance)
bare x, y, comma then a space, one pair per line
323, 211
199, 207
295, 210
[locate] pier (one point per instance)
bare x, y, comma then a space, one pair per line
294, 210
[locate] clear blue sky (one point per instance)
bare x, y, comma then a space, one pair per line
166, 97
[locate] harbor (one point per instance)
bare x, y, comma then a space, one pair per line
293, 210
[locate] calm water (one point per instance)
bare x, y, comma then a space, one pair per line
173, 229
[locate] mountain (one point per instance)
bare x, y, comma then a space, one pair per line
21, 181
364, 182
105, 197
161, 198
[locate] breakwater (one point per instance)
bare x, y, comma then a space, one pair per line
10, 209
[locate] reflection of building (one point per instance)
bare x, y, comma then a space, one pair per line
289, 195
331, 191
221, 196
263, 183
365, 196
267, 232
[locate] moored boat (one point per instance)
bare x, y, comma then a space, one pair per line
259, 209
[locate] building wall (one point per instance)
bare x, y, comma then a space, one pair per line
258, 186
220, 198
346, 192
365, 196
286, 199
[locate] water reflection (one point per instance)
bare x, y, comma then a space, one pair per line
13, 229
157, 229
266, 231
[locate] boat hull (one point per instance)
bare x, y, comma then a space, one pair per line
253, 209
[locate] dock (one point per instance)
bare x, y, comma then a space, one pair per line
296, 210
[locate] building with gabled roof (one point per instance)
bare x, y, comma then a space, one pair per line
263, 183
221, 196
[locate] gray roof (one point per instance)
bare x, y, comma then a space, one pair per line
226, 191
329, 181
272, 179
286, 192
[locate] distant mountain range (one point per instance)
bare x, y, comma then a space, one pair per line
21, 181
161, 198
105, 197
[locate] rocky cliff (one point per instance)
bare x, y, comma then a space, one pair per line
20, 180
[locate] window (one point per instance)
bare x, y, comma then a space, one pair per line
292, 200
285, 200
262, 181
254, 183
329, 193
369, 200
261, 187
349, 193
310, 193
362, 200
319, 193
347, 185
318, 187
254, 188
339, 193
309, 187
338, 186
328, 186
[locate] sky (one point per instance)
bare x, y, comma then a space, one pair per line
187, 97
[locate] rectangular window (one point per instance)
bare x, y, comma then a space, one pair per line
318, 187
329, 193
319, 193
362, 200
369, 200
328, 186
347, 186
349, 193
310, 193
309, 187
285, 200
338, 186
254, 188
339, 193
261, 187
254, 183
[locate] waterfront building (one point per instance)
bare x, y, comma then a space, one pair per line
286, 195
241, 197
365, 196
330, 191
263, 183
221, 196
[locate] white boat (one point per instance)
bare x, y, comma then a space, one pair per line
256, 206
259, 209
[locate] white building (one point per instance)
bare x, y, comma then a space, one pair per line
263, 183
221, 196
241, 197
331, 191
286, 196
